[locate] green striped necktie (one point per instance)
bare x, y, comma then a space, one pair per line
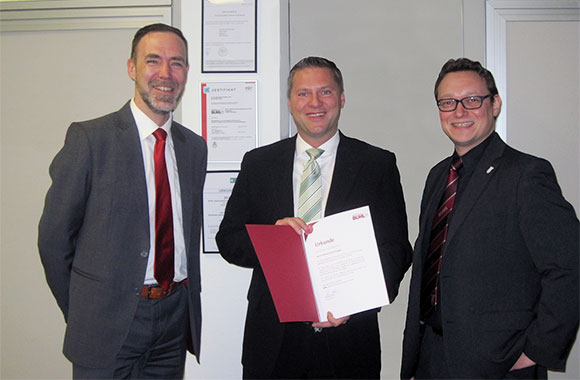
310, 195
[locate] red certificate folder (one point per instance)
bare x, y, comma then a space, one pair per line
335, 268
281, 254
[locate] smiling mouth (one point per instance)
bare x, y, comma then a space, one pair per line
164, 87
464, 124
318, 114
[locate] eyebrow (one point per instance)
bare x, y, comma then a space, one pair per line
157, 56
325, 87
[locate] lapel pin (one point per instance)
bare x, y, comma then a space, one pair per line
489, 169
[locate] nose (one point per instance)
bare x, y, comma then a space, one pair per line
460, 110
314, 100
164, 70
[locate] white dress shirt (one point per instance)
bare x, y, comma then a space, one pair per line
326, 162
146, 127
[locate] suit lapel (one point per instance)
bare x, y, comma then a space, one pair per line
280, 173
186, 175
432, 198
477, 184
349, 159
130, 151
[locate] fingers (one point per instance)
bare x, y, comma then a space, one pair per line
332, 322
322, 325
296, 223
335, 322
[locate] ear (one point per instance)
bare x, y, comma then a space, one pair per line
131, 68
342, 100
496, 105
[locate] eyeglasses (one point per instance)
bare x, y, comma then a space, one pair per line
469, 103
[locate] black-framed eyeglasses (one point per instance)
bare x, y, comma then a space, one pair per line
469, 103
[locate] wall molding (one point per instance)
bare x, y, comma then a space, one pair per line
70, 4
51, 15
82, 19
501, 12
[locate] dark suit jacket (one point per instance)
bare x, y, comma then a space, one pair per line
363, 175
94, 232
509, 277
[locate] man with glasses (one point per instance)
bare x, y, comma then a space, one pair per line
494, 289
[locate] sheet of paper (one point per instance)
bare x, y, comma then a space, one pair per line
216, 192
229, 36
344, 263
229, 119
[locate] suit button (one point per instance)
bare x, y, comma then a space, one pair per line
144, 253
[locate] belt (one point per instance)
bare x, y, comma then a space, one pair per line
156, 292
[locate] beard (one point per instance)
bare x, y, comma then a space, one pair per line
160, 104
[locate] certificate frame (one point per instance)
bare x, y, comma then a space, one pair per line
229, 119
216, 193
229, 36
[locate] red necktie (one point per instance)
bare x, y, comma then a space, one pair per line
432, 264
164, 246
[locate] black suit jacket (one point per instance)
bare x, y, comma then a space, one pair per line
94, 231
363, 175
509, 277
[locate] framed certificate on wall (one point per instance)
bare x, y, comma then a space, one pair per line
229, 35
229, 120
216, 193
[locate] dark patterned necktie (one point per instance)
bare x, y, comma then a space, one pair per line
432, 264
164, 245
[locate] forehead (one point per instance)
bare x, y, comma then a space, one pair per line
313, 77
462, 83
159, 42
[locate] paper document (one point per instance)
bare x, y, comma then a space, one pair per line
336, 268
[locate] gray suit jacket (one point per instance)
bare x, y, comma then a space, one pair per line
94, 232
509, 276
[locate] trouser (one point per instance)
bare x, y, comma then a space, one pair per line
155, 346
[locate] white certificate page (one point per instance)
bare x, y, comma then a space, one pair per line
344, 264
229, 36
229, 119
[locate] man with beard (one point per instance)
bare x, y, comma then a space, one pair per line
119, 235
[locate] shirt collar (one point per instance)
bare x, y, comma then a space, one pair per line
145, 125
471, 158
330, 147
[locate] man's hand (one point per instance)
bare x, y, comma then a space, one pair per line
298, 224
332, 322
523, 362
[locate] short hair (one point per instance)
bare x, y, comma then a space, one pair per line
466, 64
319, 62
156, 28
